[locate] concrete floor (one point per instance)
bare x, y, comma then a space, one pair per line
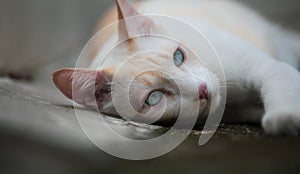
40, 135
39, 130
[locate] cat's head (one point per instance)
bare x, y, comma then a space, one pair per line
155, 79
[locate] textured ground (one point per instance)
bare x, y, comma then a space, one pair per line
40, 134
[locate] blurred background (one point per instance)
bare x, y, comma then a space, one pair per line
40, 36
35, 33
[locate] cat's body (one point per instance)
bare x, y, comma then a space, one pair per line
227, 17
225, 24
250, 48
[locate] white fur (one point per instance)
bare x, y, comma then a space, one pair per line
252, 51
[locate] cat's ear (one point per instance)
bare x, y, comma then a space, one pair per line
86, 87
140, 25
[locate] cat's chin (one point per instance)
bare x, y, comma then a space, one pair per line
210, 105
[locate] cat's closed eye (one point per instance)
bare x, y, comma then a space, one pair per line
178, 57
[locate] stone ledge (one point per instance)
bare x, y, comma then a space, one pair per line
43, 136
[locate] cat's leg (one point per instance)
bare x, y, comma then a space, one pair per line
277, 82
279, 85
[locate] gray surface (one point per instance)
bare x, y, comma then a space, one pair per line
38, 128
39, 135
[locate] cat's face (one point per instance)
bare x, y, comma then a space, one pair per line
158, 75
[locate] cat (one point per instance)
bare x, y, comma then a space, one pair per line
255, 54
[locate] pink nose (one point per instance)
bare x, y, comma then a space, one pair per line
203, 92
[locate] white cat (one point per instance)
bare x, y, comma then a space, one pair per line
255, 54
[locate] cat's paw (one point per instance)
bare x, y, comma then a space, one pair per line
282, 123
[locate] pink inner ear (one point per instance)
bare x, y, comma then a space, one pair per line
140, 25
83, 85
126, 9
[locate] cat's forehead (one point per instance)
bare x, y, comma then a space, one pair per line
155, 43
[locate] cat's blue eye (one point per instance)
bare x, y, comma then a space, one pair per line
154, 98
178, 57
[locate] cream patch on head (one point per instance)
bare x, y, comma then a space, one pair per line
154, 70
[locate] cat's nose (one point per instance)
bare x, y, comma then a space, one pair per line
203, 92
